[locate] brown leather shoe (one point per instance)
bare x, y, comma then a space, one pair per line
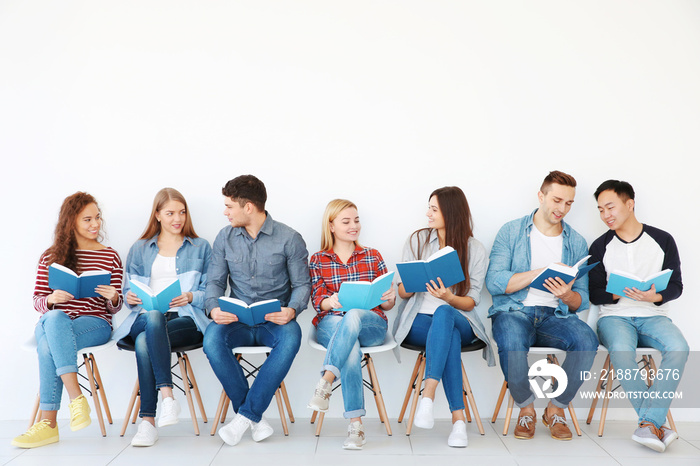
525, 428
557, 426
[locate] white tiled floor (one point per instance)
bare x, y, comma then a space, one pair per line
179, 446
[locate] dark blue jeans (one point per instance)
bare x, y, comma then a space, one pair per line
219, 340
516, 331
442, 334
154, 334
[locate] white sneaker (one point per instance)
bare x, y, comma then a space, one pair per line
232, 432
322, 394
261, 430
146, 435
356, 436
458, 436
424, 414
169, 412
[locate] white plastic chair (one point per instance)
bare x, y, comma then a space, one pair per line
93, 377
251, 371
373, 384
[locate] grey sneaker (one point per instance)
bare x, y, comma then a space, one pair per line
322, 395
648, 435
356, 436
669, 435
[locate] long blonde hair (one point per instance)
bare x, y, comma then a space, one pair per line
333, 209
162, 197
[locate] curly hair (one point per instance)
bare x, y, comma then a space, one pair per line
62, 251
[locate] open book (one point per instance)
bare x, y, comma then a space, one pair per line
152, 301
565, 272
80, 286
364, 295
252, 314
444, 264
619, 280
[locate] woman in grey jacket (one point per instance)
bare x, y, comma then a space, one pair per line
441, 319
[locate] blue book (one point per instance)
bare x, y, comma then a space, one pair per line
252, 314
156, 302
565, 272
80, 286
619, 280
364, 295
444, 264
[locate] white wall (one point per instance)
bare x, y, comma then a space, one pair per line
380, 102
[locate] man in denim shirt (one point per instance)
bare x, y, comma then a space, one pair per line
259, 259
523, 317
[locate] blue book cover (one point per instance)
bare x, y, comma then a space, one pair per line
151, 301
444, 264
619, 280
565, 272
80, 286
252, 314
364, 295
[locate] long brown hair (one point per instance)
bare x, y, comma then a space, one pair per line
458, 229
62, 251
163, 197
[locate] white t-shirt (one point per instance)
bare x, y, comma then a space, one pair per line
163, 272
543, 251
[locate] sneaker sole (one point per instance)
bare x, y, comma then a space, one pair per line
353, 447
82, 425
316, 408
168, 422
143, 444
41, 443
649, 443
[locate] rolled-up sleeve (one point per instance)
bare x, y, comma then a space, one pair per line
217, 273
298, 269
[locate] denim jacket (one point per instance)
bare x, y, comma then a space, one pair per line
191, 263
511, 254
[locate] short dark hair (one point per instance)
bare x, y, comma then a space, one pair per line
557, 177
623, 189
244, 189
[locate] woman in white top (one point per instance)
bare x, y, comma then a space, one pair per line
440, 318
168, 250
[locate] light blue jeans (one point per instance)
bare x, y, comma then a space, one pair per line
219, 340
343, 336
58, 340
443, 334
621, 336
516, 331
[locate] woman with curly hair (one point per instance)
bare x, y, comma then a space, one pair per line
68, 323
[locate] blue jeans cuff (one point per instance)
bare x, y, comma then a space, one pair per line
66, 370
354, 413
531, 399
49, 406
559, 404
331, 368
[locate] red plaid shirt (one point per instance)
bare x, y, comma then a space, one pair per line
328, 272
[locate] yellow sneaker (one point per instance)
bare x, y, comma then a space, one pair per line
38, 435
79, 413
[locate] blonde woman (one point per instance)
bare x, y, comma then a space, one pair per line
343, 331
168, 249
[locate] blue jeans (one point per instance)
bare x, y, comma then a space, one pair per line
154, 334
621, 336
219, 340
58, 340
516, 331
442, 335
343, 336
